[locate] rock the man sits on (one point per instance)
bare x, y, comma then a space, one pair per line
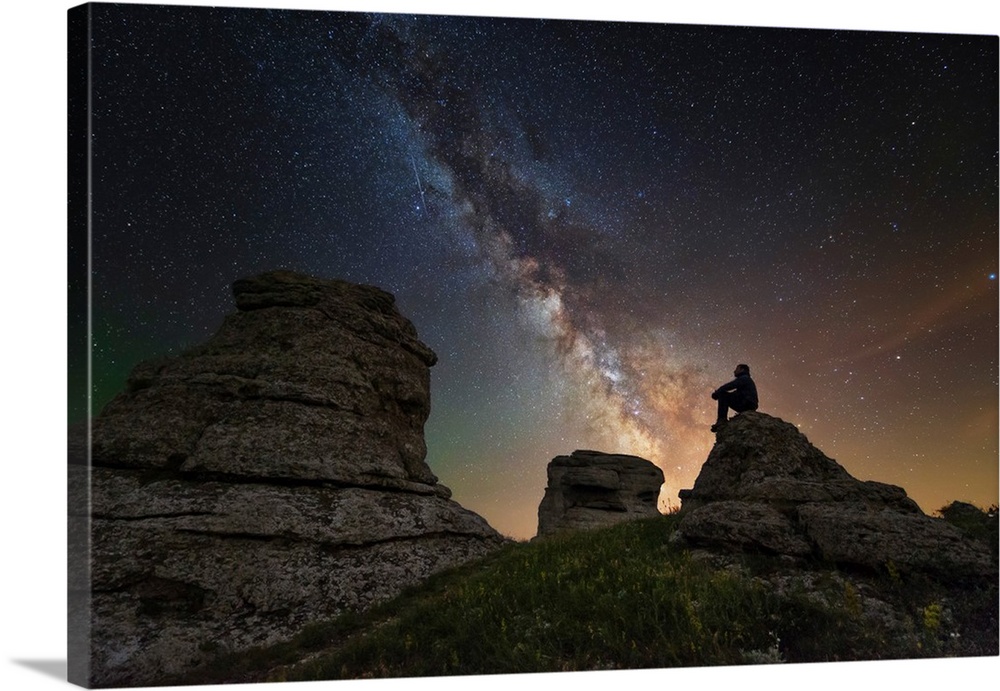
740, 394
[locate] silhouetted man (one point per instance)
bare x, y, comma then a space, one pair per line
740, 394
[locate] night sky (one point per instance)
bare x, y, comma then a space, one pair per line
590, 223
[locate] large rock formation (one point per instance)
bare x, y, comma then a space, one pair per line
590, 489
269, 478
765, 488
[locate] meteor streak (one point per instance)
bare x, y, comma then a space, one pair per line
420, 187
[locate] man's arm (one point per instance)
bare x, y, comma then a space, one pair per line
730, 386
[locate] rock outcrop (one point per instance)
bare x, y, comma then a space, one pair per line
765, 488
271, 477
590, 489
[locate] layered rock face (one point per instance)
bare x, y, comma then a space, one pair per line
268, 478
590, 489
765, 488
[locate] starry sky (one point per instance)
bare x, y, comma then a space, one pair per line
589, 222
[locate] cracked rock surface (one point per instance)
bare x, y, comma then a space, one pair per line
592, 489
270, 477
765, 488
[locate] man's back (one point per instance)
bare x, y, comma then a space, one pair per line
746, 388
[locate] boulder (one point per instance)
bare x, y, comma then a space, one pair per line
766, 488
271, 477
591, 489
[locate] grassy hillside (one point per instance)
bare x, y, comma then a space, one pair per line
626, 597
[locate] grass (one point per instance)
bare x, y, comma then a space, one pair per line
627, 598
596, 601
975, 523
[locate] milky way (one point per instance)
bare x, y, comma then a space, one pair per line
590, 223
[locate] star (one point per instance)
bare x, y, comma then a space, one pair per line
591, 223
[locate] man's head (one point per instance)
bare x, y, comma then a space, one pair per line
742, 369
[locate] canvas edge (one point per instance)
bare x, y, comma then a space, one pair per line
78, 596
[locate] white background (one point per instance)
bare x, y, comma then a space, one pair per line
33, 549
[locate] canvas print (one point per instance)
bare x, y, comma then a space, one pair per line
425, 345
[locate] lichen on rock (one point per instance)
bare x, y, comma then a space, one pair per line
766, 488
591, 489
270, 477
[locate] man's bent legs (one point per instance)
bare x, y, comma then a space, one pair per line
731, 400
727, 400
723, 408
